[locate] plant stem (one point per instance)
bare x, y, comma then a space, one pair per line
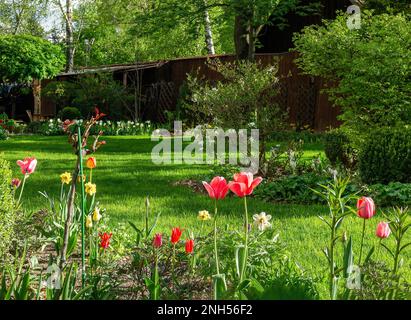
215, 238
332, 269
172, 264
22, 188
396, 256
362, 242
242, 274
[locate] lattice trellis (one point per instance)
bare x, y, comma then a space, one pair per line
160, 97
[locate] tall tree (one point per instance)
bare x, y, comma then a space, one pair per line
22, 16
66, 10
247, 16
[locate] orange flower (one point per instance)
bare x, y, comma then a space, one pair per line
91, 163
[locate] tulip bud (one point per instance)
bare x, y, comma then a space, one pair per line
383, 230
365, 208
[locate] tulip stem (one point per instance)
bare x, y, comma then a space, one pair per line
242, 274
22, 188
362, 242
215, 237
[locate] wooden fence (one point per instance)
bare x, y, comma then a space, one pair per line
300, 94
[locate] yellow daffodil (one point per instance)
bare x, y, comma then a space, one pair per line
65, 178
89, 222
204, 215
84, 178
90, 188
96, 214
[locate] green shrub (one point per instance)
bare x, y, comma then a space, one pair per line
338, 148
7, 216
3, 134
69, 113
386, 156
392, 194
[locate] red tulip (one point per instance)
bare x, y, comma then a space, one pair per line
105, 240
28, 165
365, 208
175, 235
217, 188
244, 184
189, 246
16, 182
383, 230
158, 240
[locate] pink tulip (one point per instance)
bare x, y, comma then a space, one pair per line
16, 182
28, 165
365, 208
244, 184
158, 240
217, 188
383, 230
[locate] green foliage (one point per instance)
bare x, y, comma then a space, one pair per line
244, 98
24, 58
7, 213
3, 134
339, 149
69, 113
378, 283
372, 66
22, 16
294, 189
391, 194
90, 91
386, 156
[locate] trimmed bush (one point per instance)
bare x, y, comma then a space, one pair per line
7, 216
386, 156
69, 113
339, 150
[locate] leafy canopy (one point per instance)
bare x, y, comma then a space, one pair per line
24, 58
371, 66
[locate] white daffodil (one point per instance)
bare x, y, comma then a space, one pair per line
262, 221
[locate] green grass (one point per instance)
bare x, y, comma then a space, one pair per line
125, 175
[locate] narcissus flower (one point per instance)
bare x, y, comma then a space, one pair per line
79, 178
15, 183
96, 214
365, 208
65, 178
204, 215
90, 188
89, 222
244, 184
262, 221
189, 246
105, 240
158, 240
176, 235
217, 188
27, 166
91, 163
383, 230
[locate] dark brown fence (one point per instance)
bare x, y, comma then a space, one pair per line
300, 94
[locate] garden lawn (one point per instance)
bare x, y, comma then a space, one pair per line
125, 175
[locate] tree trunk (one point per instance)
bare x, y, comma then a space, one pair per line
240, 38
208, 32
69, 37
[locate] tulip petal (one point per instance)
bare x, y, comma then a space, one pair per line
238, 188
209, 189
